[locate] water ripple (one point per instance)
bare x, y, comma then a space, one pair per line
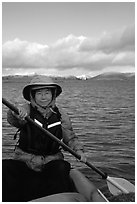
102, 115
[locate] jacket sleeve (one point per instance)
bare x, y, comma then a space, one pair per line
14, 120
69, 137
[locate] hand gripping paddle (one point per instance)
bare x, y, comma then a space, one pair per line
116, 185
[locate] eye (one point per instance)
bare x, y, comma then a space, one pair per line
47, 91
38, 92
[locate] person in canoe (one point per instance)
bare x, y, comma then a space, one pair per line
38, 167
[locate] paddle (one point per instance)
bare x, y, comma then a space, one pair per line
115, 185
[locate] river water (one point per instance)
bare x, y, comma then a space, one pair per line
102, 115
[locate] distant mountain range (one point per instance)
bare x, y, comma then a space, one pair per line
104, 76
115, 76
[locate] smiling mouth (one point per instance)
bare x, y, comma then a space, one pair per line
43, 101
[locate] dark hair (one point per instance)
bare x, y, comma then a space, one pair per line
33, 93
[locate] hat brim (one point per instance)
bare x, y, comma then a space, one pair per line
28, 88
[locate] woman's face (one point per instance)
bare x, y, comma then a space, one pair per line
43, 97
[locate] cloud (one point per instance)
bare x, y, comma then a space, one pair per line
22, 54
71, 52
122, 40
124, 58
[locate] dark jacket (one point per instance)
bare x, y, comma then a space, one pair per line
33, 140
68, 136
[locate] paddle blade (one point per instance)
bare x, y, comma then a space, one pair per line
119, 185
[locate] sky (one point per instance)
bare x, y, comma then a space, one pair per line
68, 38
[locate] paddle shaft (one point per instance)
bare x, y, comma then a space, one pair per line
119, 185
28, 119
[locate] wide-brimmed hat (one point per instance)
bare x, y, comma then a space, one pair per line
40, 82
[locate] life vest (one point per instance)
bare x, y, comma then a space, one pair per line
33, 140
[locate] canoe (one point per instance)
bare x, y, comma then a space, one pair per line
83, 187
85, 191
